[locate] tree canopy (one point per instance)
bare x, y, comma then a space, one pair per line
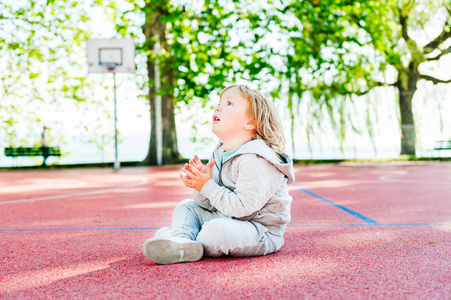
350, 47
204, 45
42, 45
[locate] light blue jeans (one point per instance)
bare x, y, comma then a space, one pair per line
219, 234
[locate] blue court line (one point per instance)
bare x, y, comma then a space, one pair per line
378, 224
75, 229
355, 214
290, 226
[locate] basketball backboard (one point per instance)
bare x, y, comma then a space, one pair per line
111, 56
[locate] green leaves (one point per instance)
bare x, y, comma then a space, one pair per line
43, 63
321, 48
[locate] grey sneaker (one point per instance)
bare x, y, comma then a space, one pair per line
163, 232
172, 250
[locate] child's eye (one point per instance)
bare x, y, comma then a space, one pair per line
229, 103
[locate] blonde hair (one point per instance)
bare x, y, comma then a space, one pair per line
265, 117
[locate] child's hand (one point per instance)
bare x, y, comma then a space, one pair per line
198, 164
193, 178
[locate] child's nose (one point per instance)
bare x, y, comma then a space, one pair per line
217, 108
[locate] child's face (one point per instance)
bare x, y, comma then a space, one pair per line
230, 117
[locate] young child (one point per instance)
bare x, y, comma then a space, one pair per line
241, 203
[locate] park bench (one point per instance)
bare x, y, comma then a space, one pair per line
31, 151
442, 145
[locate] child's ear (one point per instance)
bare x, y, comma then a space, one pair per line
249, 125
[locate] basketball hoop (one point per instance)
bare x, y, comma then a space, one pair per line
112, 56
109, 66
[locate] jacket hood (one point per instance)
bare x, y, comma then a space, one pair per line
282, 162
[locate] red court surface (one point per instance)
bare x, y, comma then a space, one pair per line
358, 231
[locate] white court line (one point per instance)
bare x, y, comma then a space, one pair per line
142, 182
389, 178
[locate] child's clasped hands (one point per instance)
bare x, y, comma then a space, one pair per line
195, 174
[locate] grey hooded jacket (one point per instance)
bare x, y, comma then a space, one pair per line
251, 185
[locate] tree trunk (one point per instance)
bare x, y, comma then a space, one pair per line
407, 123
152, 27
407, 85
170, 147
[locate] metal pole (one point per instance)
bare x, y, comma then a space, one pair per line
158, 122
117, 164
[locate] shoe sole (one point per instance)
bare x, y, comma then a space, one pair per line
165, 251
